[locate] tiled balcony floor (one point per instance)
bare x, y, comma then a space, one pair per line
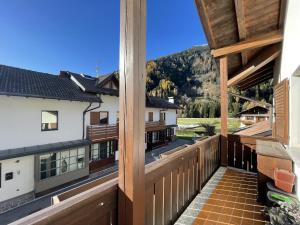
228, 198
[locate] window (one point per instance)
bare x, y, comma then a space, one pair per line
103, 118
170, 132
162, 116
9, 176
155, 137
94, 118
117, 117
49, 120
150, 116
53, 164
103, 150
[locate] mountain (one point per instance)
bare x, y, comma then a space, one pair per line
192, 78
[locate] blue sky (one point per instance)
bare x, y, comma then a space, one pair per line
77, 35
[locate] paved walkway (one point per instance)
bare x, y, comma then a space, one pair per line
228, 198
45, 201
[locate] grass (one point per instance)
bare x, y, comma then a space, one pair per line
233, 124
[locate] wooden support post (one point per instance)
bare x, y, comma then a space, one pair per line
132, 112
224, 109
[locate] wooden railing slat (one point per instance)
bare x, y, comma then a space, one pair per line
159, 201
180, 188
174, 193
149, 206
167, 199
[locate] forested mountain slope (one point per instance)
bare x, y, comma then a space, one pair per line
192, 77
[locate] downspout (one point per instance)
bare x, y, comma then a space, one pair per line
88, 109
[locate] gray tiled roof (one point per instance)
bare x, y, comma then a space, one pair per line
91, 84
27, 83
156, 102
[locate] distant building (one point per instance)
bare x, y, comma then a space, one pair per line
253, 115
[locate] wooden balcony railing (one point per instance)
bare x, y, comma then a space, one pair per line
155, 125
242, 152
104, 132
99, 133
171, 184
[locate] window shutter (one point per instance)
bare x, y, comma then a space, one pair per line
94, 118
282, 111
150, 115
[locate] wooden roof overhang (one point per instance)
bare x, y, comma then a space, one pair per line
248, 32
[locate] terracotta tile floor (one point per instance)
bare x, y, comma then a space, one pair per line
232, 201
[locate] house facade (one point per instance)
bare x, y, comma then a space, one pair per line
253, 115
102, 122
41, 133
57, 129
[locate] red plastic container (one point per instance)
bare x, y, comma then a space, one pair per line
284, 180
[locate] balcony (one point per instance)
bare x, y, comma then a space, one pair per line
185, 186
98, 133
171, 184
155, 126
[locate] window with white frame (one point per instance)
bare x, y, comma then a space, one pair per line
49, 120
57, 163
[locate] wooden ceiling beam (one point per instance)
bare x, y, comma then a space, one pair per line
201, 7
251, 43
254, 77
264, 78
262, 59
260, 72
240, 18
256, 81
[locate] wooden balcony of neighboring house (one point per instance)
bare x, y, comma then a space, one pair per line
98, 133
155, 125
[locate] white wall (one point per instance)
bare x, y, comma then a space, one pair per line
155, 111
294, 125
289, 64
23, 177
20, 120
171, 117
291, 44
110, 104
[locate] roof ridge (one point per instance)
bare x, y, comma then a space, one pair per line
28, 70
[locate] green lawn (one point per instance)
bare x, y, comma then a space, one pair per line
233, 124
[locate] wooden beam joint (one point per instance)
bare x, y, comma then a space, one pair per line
259, 61
251, 43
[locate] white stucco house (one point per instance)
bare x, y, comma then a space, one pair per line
102, 130
57, 129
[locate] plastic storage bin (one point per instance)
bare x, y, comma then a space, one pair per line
284, 180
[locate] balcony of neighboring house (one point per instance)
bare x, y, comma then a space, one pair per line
98, 133
218, 180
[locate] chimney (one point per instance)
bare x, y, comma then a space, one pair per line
171, 100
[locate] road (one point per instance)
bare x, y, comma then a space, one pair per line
45, 201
